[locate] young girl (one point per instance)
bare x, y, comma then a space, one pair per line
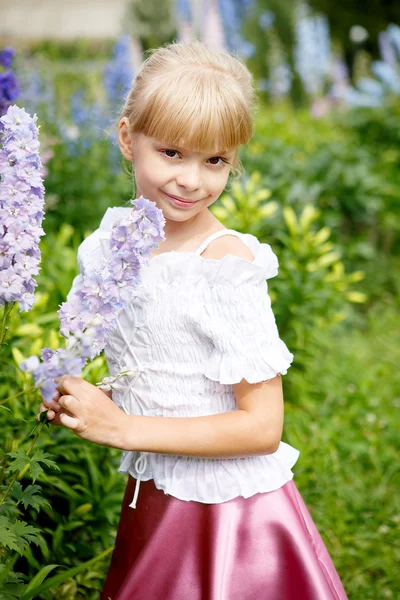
211, 511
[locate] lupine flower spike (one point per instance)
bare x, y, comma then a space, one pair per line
21, 207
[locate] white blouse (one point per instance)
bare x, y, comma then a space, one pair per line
195, 326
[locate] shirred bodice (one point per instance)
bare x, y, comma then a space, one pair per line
194, 327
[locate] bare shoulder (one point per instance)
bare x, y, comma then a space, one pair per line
228, 244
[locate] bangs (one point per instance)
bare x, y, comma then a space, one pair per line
201, 110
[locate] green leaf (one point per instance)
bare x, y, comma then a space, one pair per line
25, 534
29, 496
327, 259
40, 577
290, 219
13, 587
358, 297
64, 576
29, 329
321, 236
21, 460
7, 536
40, 457
308, 215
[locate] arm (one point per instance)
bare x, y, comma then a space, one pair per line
254, 429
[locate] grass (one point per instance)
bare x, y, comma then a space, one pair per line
342, 415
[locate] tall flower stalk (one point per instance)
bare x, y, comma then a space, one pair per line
89, 313
9, 88
21, 211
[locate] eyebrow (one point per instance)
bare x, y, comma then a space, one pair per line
180, 148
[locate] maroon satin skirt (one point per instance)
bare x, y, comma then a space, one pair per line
265, 547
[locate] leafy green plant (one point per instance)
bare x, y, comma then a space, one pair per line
313, 289
46, 519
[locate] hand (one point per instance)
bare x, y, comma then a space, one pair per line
88, 412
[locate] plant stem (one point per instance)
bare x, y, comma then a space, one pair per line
8, 306
19, 394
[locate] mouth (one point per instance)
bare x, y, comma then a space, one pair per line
185, 200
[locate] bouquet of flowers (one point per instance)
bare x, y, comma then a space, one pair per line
89, 314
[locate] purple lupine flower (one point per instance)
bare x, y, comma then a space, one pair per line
9, 87
21, 207
312, 49
89, 314
119, 72
6, 57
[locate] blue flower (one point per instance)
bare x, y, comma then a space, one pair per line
9, 90
6, 57
118, 73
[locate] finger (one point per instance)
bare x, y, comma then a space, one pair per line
51, 404
50, 414
68, 384
56, 395
53, 410
67, 421
71, 403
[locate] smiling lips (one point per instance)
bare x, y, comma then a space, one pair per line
181, 199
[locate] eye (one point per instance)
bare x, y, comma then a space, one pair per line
217, 158
169, 153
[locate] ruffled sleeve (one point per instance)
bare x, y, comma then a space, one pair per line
239, 322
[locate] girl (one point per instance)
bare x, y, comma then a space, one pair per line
218, 516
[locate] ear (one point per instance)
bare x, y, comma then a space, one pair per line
125, 139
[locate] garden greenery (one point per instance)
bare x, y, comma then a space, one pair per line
325, 194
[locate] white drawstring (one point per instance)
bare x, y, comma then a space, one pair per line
140, 466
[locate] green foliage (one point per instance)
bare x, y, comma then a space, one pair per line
274, 44
22, 460
312, 290
71, 516
78, 191
346, 166
340, 415
153, 22
325, 195
16, 535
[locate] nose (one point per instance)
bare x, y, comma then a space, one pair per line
189, 177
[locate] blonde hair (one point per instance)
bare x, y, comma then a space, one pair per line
189, 95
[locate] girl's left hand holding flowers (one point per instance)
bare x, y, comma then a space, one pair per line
88, 412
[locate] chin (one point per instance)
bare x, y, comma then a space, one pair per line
171, 215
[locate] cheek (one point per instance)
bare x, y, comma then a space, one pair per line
149, 176
218, 183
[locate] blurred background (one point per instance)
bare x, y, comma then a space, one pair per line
321, 185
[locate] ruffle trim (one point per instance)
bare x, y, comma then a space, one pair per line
232, 368
190, 268
213, 481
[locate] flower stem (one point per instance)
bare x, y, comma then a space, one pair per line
8, 306
17, 395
